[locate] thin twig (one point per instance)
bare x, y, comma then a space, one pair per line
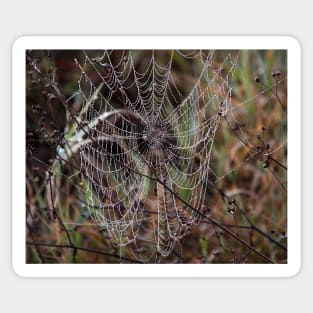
82, 249
55, 213
252, 225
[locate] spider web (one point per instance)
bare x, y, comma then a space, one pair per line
145, 127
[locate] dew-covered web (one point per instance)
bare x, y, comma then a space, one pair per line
146, 133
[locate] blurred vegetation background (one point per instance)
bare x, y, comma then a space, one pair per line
248, 191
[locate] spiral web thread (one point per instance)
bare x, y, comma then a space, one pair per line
140, 119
